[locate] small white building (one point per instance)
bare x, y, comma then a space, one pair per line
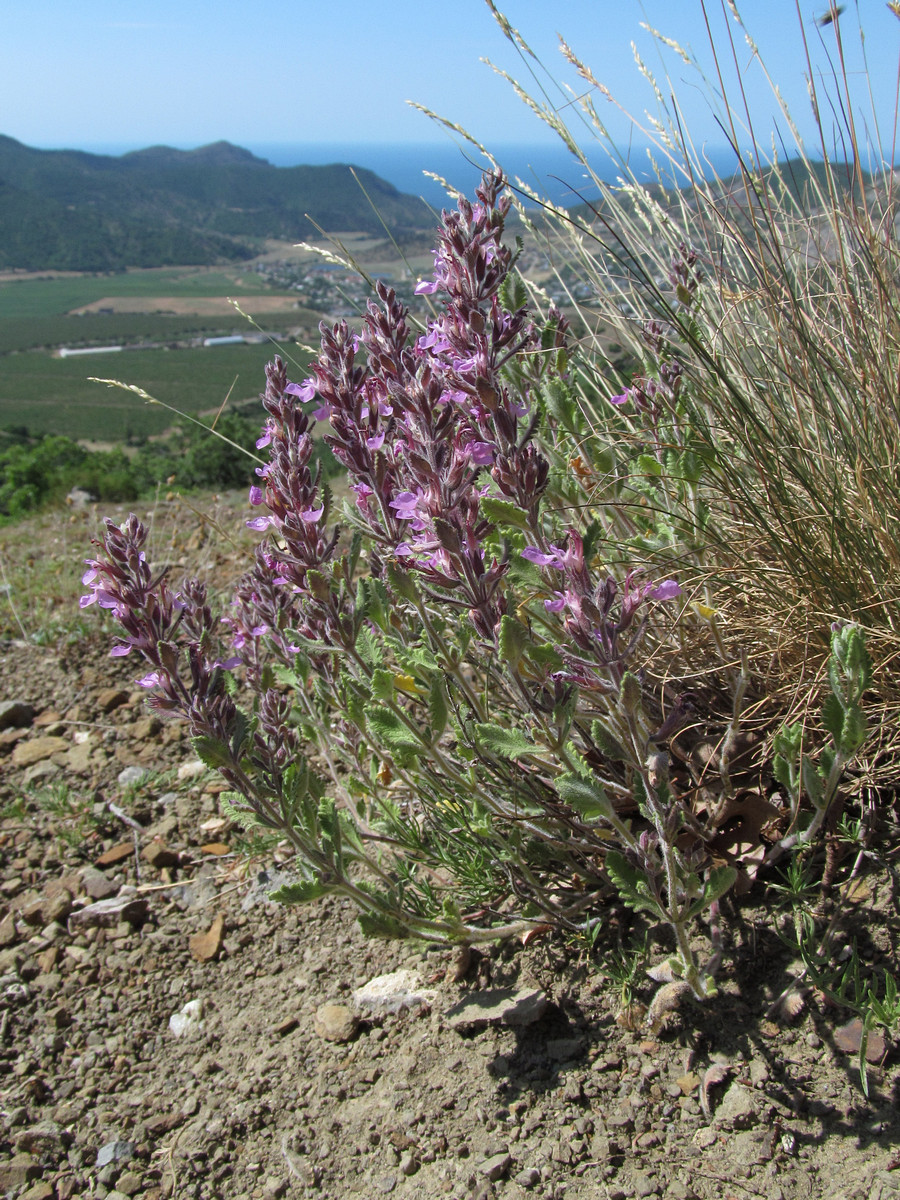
235, 339
68, 352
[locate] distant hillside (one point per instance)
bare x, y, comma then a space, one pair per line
67, 210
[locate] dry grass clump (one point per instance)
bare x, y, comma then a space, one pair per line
756, 443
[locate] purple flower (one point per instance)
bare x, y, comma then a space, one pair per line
266, 439
622, 398
405, 505
667, 590
557, 604
256, 495
303, 391
375, 442
537, 556
227, 664
311, 515
481, 453
426, 287
260, 523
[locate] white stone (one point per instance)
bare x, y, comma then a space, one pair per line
187, 1022
391, 993
190, 770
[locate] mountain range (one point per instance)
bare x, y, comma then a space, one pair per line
73, 211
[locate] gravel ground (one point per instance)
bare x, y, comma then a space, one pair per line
510, 1077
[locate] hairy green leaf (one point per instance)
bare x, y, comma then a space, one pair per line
504, 743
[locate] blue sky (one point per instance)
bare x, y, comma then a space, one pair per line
187, 72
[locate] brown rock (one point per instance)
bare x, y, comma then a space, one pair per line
335, 1022
78, 759
216, 849
165, 1123
849, 1039
128, 1183
8, 934
111, 698
37, 750
97, 885
146, 728
47, 959
15, 713
115, 854
205, 946
159, 855
110, 912
21, 1168
40, 1191
9, 737
57, 907
50, 717
32, 910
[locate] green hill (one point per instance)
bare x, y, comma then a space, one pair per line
67, 210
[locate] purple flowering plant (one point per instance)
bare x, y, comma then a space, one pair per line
442, 698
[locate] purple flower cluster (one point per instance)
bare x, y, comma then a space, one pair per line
594, 615
174, 632
421, 424
684, 274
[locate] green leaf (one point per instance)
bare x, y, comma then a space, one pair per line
630, 884
234, 807
211, 752
586, 797
383, 685
833, 717
719, 881
812, 781
648, 465
438, 709
545, 656
299, 893
390, 730
608, 745
240, 732
318, 584
562, 405
380, 925
402, 583
513, 640
505, 743
854, 731
781, 769
501, 512
368, 649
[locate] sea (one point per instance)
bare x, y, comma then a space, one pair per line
548, 167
